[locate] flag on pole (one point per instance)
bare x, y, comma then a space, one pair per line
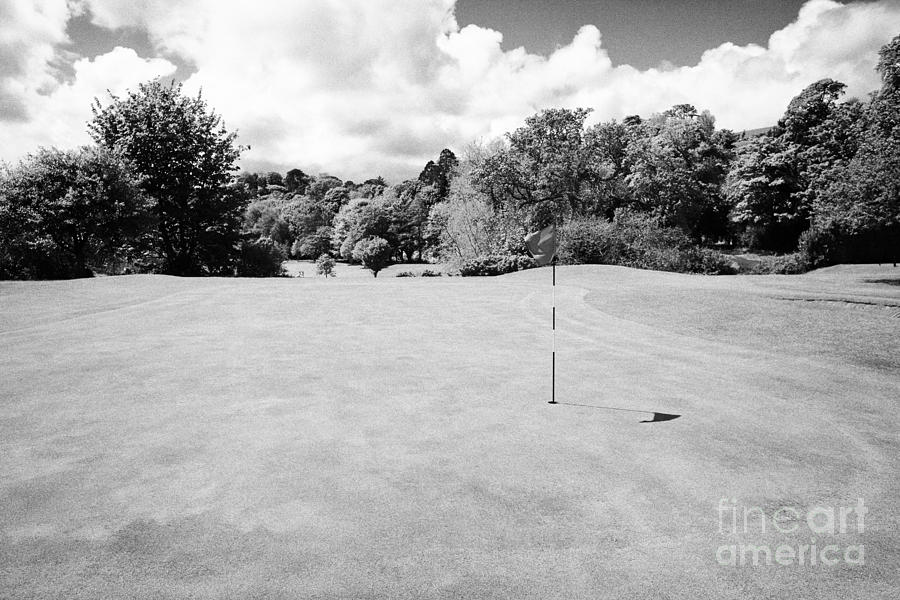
542, 245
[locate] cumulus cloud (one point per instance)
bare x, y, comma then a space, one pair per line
37, 106
360, 88
29, 34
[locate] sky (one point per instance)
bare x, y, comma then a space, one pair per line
360, 88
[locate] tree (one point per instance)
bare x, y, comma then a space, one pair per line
325, 266
889, 66
407, 205
260, 258
264, 221
313, 244
608, 167
186, 158
858, 202
319, 186
296, 181
543, 167
359, 219
374, 253
678, 163
763, 187
306, 214
808, 110
440, 173
62, 212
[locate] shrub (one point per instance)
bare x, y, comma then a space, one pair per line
638, 240
789, 264
486, 266
820, 247
591, 241
430, 273
325, 266
260, 258
834, 244
405, 274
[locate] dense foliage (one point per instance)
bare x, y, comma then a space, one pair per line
374, 253
668, 191
64, 213
186, 159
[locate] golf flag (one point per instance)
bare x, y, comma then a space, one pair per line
542, 245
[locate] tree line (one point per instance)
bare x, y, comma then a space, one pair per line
159, 191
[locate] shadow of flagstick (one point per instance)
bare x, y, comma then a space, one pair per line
658, 417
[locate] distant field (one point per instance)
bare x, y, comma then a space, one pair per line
307, 268
391, 437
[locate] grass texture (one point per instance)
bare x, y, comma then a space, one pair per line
391, 437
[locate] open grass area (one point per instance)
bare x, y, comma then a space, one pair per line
391, 437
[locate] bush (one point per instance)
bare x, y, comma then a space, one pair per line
789, 264
820, 247
38, 258
689, 260
260, 258
638, 240
325, 266
430, 273
591, 241
405, 274
831, 245
487, 266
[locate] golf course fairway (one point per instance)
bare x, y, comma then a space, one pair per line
391, 438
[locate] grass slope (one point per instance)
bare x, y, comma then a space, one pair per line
390, 438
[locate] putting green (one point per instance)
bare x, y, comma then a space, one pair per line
391, 437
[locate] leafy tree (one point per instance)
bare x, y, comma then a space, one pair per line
250, 182
64, 211
408, 205
542, 169
678, 162
307, 214
325, 266
857, 208
313, 244
374, 253
808, 110
264, 219
319, 186
764, 185
335, 198
376, 181
359, 219
608, 167
776, 180
431, 174
296, 181
260, 258
439, 174
186, 158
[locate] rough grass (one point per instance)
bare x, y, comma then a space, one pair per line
390, 437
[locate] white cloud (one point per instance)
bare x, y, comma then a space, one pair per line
36, 107
360, 88
29, 34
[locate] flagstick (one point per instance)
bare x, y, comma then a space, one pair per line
553, 362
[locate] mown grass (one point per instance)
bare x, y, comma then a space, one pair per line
390, 437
